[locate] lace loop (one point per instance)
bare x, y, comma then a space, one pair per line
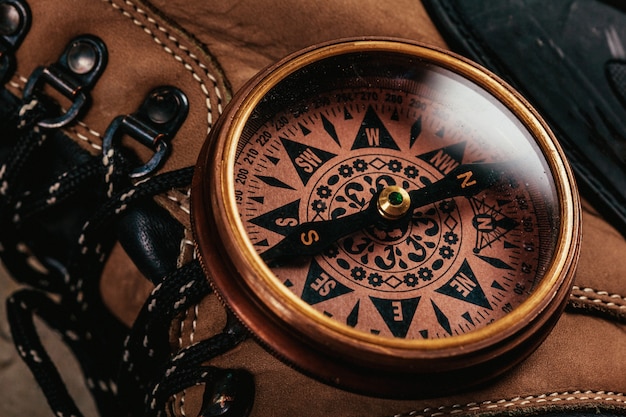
154, 124
83, 61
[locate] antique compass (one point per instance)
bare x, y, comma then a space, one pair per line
387, 217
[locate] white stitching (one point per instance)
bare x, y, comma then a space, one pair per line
107, 161
599, 293
518, 401
85, 138
171, 195
194, 324
593, 296
177, 57
183, 394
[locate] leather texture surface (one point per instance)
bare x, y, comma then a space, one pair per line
209, 50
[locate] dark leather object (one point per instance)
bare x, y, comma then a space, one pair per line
151, 238
568, 57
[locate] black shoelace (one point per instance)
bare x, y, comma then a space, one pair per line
128, 371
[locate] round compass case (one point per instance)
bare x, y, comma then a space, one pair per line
377, 210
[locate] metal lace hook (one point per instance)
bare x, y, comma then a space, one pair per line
15, 17
155, 123
73, 75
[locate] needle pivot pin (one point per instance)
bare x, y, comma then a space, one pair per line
393, 202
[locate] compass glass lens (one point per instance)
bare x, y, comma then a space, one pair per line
321, 144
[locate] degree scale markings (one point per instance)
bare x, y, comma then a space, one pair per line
286, 192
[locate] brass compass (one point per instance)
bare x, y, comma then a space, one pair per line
387, 217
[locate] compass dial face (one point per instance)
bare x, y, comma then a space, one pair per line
386, 199
444, 269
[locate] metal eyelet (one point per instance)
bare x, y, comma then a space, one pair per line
73, 75
15, 18
154, 124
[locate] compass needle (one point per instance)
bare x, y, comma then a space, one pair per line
313, 237
387, 217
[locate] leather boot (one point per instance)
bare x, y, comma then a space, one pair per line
95, 217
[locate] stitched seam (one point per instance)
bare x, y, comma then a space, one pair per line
594, 296
18, 85
194, 321
171, 195
177, 57
194, 324
594, 396
185, 243
84, 138
180, 346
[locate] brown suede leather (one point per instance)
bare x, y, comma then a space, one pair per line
582, 364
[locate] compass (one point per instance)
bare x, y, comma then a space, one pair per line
387, 217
